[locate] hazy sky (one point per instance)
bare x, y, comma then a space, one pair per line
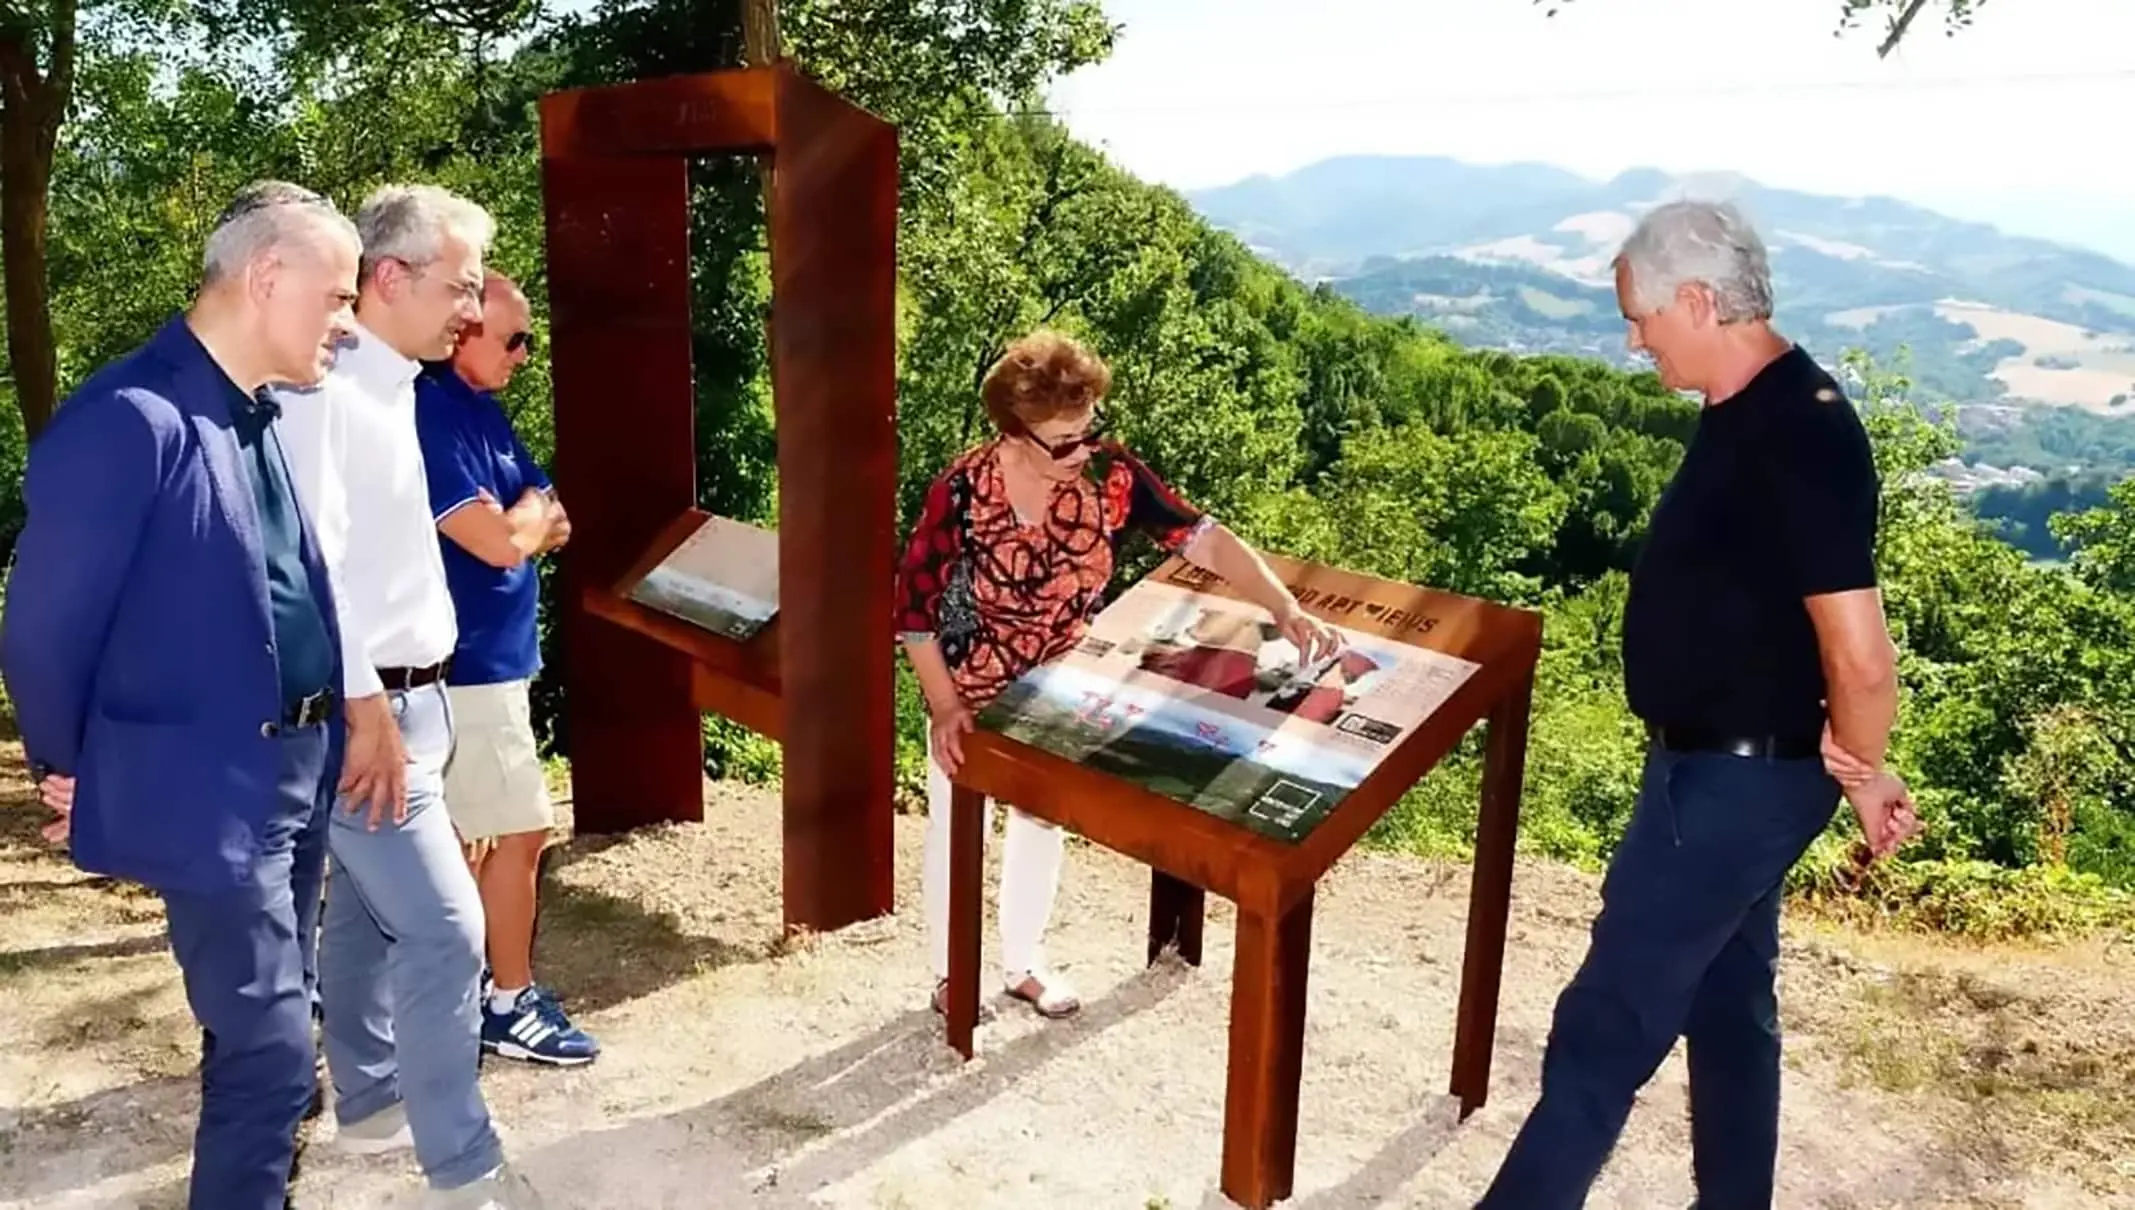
2024, 119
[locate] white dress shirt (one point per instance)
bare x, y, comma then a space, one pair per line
358, 472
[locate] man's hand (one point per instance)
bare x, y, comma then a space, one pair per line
1885, 808
499, 536
1315, 640
946, 735
375, 769
57, 793
1844, 767
533, 516
1880, 800
559, 525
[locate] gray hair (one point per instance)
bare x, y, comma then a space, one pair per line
1709, 243
261, 217
409, 223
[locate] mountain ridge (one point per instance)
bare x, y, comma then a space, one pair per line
1517, 256
1638, 183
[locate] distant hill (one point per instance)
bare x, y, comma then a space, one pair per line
1517, 257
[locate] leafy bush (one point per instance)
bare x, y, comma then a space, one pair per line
1973, 899
734, 752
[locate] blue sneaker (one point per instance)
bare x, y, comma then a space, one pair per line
535, 1029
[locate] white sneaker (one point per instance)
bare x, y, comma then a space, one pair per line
502, 1189
386, 1130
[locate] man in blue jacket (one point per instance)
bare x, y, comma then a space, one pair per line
170, 644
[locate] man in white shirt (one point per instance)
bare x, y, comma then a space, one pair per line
400, 953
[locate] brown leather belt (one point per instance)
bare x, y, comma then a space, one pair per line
400, 680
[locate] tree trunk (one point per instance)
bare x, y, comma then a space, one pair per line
25, 178
760, 47
759, 32
32, 104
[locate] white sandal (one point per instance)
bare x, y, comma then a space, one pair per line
940, 1002
1053, 998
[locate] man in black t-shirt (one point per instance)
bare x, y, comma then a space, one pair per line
1755, 651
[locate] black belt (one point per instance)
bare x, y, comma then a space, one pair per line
1761, 747
309, 710
400, 680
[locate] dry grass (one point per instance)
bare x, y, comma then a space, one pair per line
2103, 365
2018, 1060
743, 1069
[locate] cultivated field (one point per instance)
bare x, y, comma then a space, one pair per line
2083, 369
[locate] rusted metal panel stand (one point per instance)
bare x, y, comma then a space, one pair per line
1192, 853
1482, 965
818, 678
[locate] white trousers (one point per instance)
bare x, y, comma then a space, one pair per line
1030, 877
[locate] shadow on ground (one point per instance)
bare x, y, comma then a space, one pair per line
831, 1116
117, 1130
43, 957
608, 949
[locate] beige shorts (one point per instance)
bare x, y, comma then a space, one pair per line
493, 783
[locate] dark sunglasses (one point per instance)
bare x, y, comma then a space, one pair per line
1056, 450
519, 340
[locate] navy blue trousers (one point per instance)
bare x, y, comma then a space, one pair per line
249, 956
1686, 945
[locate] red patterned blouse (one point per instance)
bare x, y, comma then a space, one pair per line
1002, 597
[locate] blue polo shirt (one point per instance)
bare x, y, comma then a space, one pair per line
469, 446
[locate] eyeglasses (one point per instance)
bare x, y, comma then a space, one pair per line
464, 291
1057, 450
520, 340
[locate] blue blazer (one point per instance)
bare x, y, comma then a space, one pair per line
137, 642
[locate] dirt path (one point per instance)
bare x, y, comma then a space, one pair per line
743, 1072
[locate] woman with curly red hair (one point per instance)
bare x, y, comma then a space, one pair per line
1007, 564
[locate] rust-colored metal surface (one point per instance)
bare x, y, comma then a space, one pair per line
1191, 853
618, 259
819, 678
730, 112
1483, 956
834, 368
1267, 1055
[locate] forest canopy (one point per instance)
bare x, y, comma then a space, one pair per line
1311, 426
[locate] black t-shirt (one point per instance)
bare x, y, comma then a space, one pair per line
1775, 501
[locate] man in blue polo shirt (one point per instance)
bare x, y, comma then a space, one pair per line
496, 512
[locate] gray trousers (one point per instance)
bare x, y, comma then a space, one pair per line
400, 958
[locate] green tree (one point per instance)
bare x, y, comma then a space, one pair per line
43, 44
1312, 427
37, 55
2103, 540
1461, 512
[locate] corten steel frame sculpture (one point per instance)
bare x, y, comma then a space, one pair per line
818, 678
1191, 852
